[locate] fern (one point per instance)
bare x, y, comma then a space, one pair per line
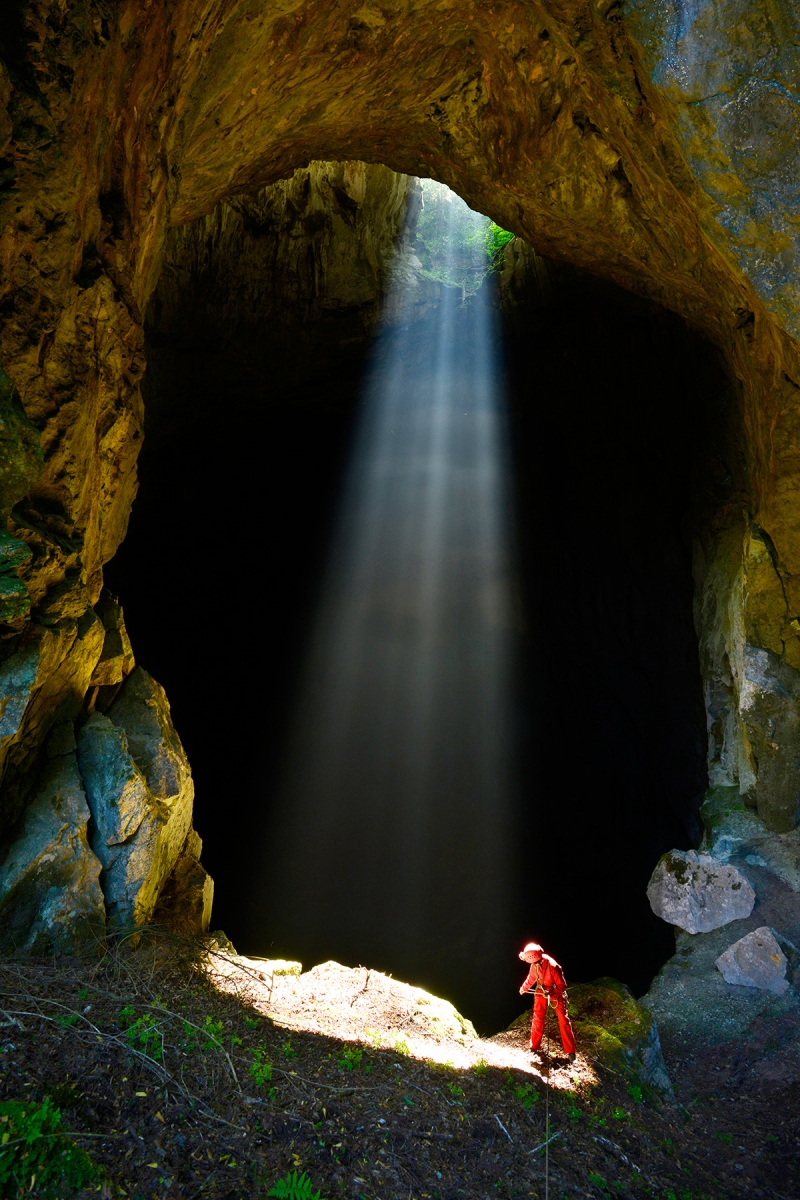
294, 1187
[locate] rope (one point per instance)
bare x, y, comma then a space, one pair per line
547, 1105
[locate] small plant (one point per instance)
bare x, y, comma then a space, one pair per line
350, 1058
635, 1092
727, 1138
65, 1020
145, 1030
401, 1046
599, 1182
34, 1154
481, 1067
212, 1034
573, 1112
294, 1187
260, 1069
288, 1050
251, 1022
455, 1090
526, 1094
619, 1114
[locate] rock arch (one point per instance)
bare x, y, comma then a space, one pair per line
559, 120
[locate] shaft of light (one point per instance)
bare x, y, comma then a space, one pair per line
390, 844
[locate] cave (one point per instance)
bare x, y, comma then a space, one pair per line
611, 403
374, 601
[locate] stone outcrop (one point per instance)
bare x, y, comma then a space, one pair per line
694, 1001
732, 828
186, 900
698, 893
140, 792
610, 1025
756, 960
50, 896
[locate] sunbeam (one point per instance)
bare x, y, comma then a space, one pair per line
391, 841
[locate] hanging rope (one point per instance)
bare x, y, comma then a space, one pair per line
547, 1104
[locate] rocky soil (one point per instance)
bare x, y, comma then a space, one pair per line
196, 1074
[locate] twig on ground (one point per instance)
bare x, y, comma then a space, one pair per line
502, 1126
547, 1143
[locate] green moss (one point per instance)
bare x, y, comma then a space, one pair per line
718, 805
613, 1029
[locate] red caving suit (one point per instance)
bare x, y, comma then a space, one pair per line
547, 980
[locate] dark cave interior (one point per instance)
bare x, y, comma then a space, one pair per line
613, 404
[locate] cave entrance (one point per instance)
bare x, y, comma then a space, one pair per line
262, 343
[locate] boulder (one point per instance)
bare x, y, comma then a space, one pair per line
188, 895
697, 892
757, 961
611, 1026
140, 792
50, 894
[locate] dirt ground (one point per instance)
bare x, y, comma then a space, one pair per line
188, 1075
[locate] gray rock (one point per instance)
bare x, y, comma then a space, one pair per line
187, 897
142, 711
50, 894
140, 792
698, 893
757, 961
732, 828
18, 678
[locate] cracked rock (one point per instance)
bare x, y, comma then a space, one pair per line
697, 892
757, 961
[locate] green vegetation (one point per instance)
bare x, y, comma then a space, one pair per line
294, 1187
350, 1058
456, 246
142, 1033
35, 1157
260, 1069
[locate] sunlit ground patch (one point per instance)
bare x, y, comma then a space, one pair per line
372, 1009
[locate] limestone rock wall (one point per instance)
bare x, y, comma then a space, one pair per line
273, 289
106, 814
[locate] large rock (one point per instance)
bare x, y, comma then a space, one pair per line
142, 711
756, 960
50, 895
140, 791
187, 898
610, 1025
698, 893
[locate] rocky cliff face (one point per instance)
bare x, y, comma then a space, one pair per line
658, 154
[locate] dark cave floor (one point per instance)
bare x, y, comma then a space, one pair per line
193, 1115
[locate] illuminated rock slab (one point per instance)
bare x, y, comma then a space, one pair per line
757, 961
698, 893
